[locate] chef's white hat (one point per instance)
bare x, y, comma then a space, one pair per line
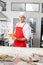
22, 14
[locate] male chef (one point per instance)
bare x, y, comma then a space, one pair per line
22, 31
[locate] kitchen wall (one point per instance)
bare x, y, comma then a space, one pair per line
14, 14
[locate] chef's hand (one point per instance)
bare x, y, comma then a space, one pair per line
21, 39
14, 38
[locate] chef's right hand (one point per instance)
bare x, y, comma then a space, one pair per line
14, 38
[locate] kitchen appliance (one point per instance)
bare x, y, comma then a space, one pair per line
41, 44
4, 41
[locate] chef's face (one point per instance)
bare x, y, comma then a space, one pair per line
22, 19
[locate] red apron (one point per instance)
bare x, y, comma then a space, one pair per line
19, 34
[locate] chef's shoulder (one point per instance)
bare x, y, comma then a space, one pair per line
27, 25
17, 24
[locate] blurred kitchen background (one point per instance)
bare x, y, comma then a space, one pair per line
9, 16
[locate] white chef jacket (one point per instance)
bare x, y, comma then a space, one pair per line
26, 29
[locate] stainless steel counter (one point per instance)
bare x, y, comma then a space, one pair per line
6, 63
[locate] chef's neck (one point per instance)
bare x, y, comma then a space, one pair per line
22, 22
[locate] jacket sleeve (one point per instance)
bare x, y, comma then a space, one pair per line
27, 31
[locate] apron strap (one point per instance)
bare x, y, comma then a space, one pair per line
24, 24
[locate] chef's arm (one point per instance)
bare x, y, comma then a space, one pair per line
21, 39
